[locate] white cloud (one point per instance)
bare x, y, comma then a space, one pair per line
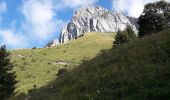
39, 25
74, 3
3, 7
131, 7
13, 39
40, 21
10, 37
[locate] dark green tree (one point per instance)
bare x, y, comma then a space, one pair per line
120, 38
7, 77
155, 17
124, 36
129, 31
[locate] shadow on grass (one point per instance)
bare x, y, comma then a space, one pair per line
52, 90
139, 70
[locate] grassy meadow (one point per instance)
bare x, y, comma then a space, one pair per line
37, 67
138, 70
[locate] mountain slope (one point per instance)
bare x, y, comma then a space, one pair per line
94, 19
138, 70
37, 67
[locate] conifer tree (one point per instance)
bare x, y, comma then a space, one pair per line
7, 77
124, 36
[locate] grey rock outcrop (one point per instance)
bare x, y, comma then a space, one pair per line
52, 43
95, 19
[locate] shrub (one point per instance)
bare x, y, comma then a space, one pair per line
33, 60
23, 58
34, 48
44, 54
62, 71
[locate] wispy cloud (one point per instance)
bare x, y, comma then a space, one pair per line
131, 7
3, 7
39, 25
40, 18
10, 37
74, 3
40, 21
13, 39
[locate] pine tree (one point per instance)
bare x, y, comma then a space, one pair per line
7, 77
131, 34
120, 38
124, 36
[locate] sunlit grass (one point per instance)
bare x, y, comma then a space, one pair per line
138, 70
36, 67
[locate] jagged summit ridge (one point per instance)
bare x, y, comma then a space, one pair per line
90, 12
94, 19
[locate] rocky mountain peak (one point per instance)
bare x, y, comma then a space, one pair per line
94, 19
89, 12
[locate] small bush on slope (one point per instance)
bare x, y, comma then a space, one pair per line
138, 70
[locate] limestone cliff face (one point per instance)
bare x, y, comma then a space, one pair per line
95, 19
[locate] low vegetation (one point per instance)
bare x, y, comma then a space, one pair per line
134, 69
138, 70
37, 67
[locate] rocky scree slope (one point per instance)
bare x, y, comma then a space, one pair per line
93, 19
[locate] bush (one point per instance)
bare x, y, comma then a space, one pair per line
34, 48
33, 60
62, 71
44, 54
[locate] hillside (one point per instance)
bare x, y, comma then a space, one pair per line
93, 19
37, 67
139, 70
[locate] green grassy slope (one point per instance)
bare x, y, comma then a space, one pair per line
37, 67
139, 70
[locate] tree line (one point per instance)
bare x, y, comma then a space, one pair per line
155, 18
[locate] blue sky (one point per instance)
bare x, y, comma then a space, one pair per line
29, 23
